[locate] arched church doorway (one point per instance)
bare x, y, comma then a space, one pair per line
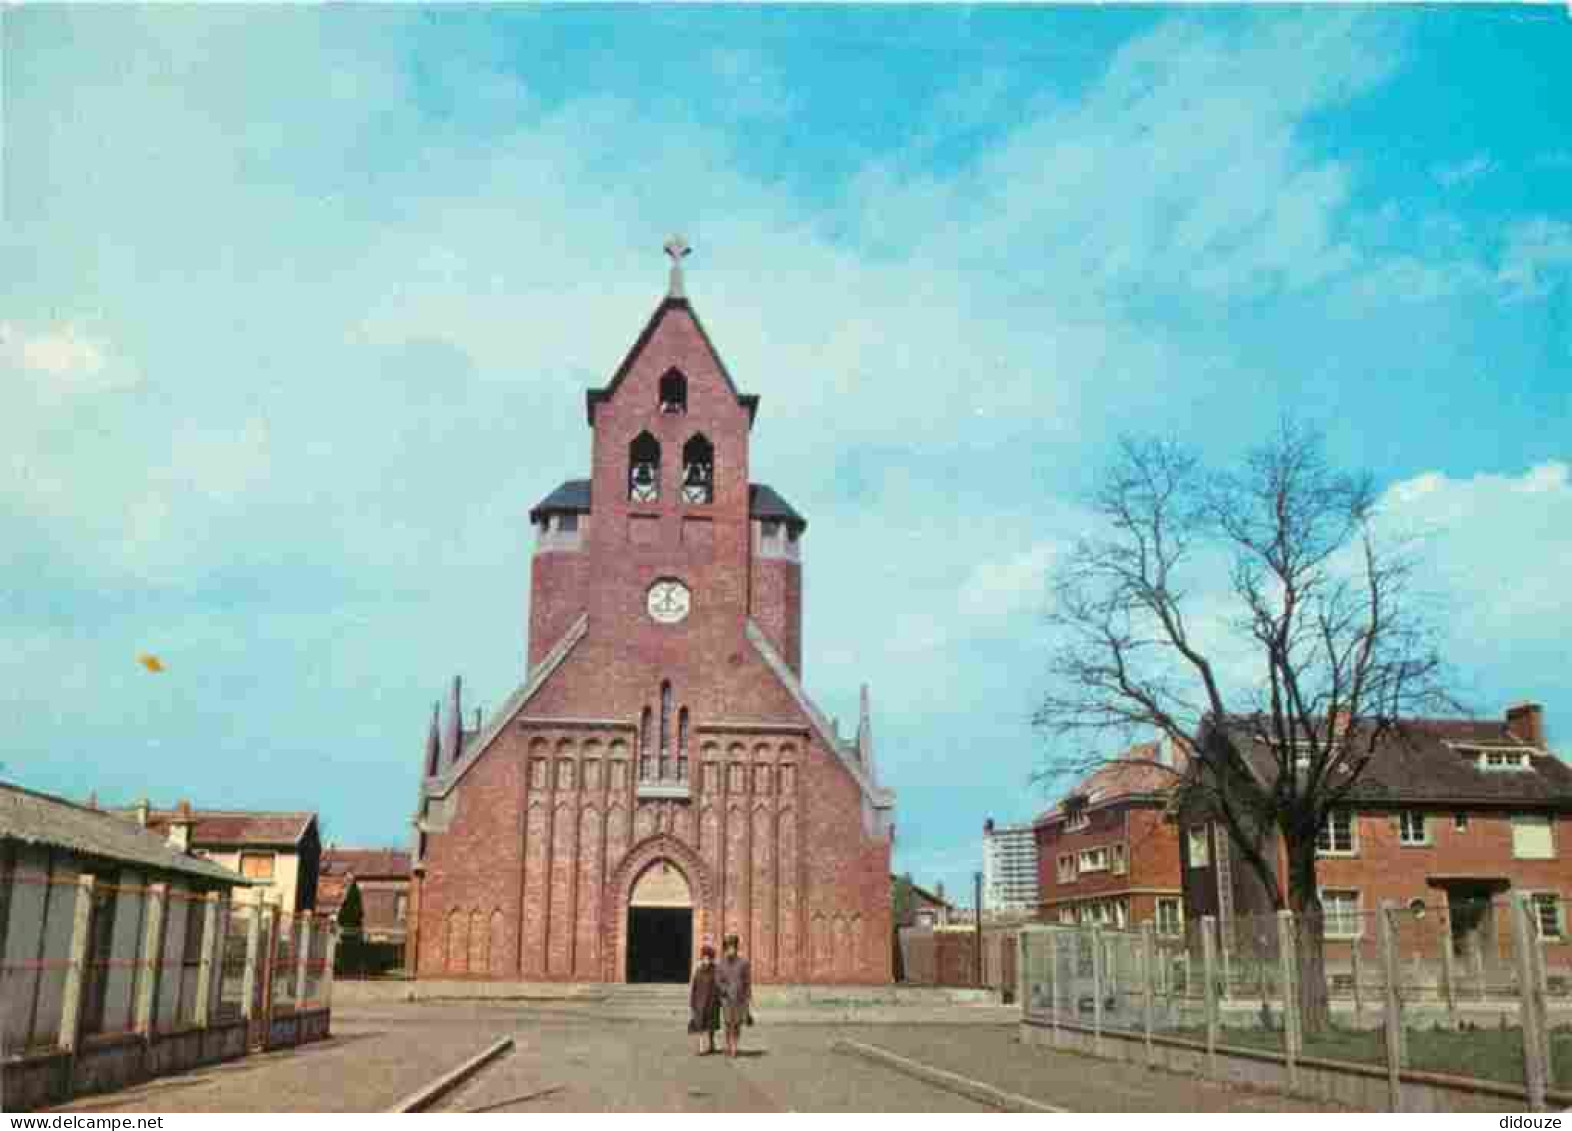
660, 925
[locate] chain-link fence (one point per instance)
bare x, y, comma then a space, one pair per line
1482, 990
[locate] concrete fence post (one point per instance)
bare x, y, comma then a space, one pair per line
1448, 973
1225, 951
215, 986
1209, 989
331, 952
204, 987
1479, 969
1358, 965
302, 970
1054, 985
71, 998
1148, 990
1531, 1001
1022, 979
152, 958
1392, 1015
1288, 966
1542, 999
269, 971
253, 970
1097, 990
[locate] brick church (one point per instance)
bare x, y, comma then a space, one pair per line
661, 777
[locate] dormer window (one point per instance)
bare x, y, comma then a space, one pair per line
644, 469
698, 471
1498, 759
674, 394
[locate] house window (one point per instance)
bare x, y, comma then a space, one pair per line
1531, 837
674, 393
1067, 915
1411, 827
644, 469
1340, 914
401, 908
256, 865
1170, 916
1094, 860
698, 471
1067, 869
1116, 855
1547, 914
1499, 761
1077, 821
1337, 834
1460, 822
1199, 856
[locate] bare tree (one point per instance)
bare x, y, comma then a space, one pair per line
1281, 678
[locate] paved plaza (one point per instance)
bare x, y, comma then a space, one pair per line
574, 1057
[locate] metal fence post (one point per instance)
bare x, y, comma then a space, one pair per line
1393, 1010
327, 966
1288, 967
1354, 949
211, 927
71, 999
1225, 951
1097, 990
1531, 1002
152, 956
302, 961
1209, 990
1148, 972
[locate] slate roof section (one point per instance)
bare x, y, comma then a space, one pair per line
367, 863
235, 828
573, 497
1419, 763
39, 818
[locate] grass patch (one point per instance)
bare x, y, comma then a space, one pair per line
1484, 1054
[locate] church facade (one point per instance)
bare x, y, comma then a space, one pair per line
661, 777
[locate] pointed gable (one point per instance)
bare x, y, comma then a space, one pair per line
670, 307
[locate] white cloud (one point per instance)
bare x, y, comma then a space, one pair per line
997, 589
1451, 176
62, 359
1537, 252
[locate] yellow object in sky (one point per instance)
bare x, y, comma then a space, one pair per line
151, 663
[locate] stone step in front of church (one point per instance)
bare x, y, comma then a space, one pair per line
654, 995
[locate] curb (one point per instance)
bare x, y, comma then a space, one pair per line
949, 1081
420, 1100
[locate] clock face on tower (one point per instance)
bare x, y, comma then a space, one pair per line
668, 601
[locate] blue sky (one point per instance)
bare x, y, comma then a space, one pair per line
297, 308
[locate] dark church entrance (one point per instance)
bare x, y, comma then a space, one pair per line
660, 944
660, 925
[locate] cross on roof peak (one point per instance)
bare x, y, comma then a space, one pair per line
678, 249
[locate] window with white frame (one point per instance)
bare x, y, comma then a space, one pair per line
1067, 915
1170, 916
1337, 834
1077, 820
1200, 857
1116, 858
1340, 914
1495, 760
1093, 860
1067, 869
1532, 838
1411, 828
1547, 914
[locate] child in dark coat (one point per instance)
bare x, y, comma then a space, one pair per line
704, 1002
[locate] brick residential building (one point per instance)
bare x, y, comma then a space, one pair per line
661, 776
1108, 853
383, 877
1449, 815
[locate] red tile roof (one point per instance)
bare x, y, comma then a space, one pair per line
225, 827
1135, 772
367, 863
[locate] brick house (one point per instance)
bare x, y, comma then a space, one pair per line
383, 877
1449, 816
1108, 853
661, 776
279, 852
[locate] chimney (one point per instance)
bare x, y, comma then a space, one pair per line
1526, 721
143, 809
180, 828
